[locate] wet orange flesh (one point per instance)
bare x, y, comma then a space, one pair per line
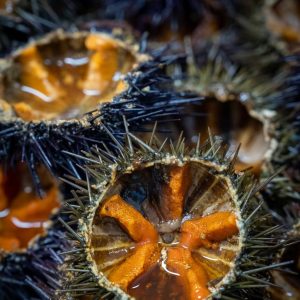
191, 273
130, 219
141, 231
70, 88
173, 194
133, 275
212, 228
22, 213
139, 262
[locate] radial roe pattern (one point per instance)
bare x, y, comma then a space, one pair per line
167, 230
65, 75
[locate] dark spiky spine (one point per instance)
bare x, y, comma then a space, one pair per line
225, 68
269, 88
148, 98
285, 190
32, 19
260, 241
34, 274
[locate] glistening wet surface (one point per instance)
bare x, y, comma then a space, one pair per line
22, 213
232, 121
166, 230
66, 77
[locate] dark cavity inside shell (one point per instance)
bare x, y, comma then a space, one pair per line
65, 75
23, 214
232, 121
167, 230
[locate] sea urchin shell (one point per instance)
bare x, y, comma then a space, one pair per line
64, 75
156, 219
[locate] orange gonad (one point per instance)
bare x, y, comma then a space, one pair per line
205, 231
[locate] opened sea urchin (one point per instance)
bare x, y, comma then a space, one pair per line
64, 75
158, 219
59, 91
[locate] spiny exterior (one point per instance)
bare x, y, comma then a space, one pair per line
286, 189
288, 280
34, 18
174, 17
260, 238
242, 63
227, 72
34, 274
147, 98
271, 22
30, 19
231, 73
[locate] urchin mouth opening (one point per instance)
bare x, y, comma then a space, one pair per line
232, 121
23, 214
65, 75
142, 223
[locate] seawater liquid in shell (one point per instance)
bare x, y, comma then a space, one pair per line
22, 213
149, 262
65, 78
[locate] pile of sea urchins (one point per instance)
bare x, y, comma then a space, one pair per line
149, 149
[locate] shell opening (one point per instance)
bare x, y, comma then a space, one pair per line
23, 214
232, 121
167, 230
65, 75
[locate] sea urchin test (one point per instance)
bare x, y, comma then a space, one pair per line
158, 234
65, 75
159, 220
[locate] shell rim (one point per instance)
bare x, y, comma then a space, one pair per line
86, 226
59, 35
